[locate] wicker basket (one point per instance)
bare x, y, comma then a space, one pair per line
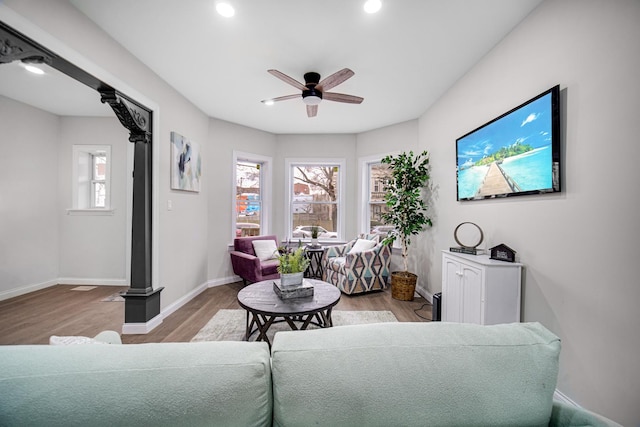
403, 285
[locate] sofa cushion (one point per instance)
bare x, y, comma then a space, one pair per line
362, 245
265, 249
269, 267
415, 374
208, 383
245, 244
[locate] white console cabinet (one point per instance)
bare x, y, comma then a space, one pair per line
477, 289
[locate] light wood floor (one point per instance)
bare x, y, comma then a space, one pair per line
59, 310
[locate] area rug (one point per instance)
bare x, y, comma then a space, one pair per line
229, 325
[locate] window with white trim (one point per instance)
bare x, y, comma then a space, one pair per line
315, 199
91, 177
251, 189
376, 174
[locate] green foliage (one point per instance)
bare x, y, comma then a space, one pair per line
293, 261
407, 210
314, 231
503, 153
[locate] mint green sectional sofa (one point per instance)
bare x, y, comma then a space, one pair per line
389, 374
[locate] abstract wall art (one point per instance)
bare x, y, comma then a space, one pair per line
186, 164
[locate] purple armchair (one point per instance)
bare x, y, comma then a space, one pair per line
247, 265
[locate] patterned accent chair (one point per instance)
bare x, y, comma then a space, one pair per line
359, 272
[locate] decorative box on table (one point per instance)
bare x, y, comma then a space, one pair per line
288, 292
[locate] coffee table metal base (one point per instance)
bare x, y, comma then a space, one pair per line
261, 323
264, 308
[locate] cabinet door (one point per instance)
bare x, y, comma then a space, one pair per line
472, 294
451, 291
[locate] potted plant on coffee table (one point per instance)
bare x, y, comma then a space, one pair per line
407, 212
293, 264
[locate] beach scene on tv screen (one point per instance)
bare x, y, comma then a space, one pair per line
510, 155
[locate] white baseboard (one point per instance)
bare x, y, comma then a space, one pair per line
142, 328
175, 306
223, 281
424, 293
16, 292
92, 282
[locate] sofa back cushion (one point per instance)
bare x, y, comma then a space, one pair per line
415, 374
265, 249
245, 244
170, 384
362, 245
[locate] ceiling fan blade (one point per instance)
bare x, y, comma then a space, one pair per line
312, 110
335, 79
341, 97
293, 82
281, 98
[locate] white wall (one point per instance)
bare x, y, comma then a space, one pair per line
37, 186
180, 235
29, 236
224, 138
93, 248
399, 137
330, 146
391, 140
579, 246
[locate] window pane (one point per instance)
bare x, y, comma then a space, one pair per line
378, 174
248, 199
307, 215
99, 167
315, 200
99, 194
377, 225
319, 182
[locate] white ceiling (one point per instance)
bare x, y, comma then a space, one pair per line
404, 57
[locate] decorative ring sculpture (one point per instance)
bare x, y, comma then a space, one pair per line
455, 235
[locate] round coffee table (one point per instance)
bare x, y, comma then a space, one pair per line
264, 307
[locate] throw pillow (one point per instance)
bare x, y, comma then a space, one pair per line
265, 249
362, 245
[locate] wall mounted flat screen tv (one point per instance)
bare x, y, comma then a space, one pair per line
515, 154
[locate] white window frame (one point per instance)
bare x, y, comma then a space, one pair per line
290, 163
82, 176
266, 180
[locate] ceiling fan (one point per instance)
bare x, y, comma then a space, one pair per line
314, 90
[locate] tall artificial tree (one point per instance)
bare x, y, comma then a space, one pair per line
407, 209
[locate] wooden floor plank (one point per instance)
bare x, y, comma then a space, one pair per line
58, 310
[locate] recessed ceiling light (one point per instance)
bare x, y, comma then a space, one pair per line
268, 102
33, 69
372, 6
225, 9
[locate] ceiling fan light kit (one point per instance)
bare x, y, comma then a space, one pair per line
315, 90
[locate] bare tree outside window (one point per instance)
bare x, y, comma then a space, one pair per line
315, 200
